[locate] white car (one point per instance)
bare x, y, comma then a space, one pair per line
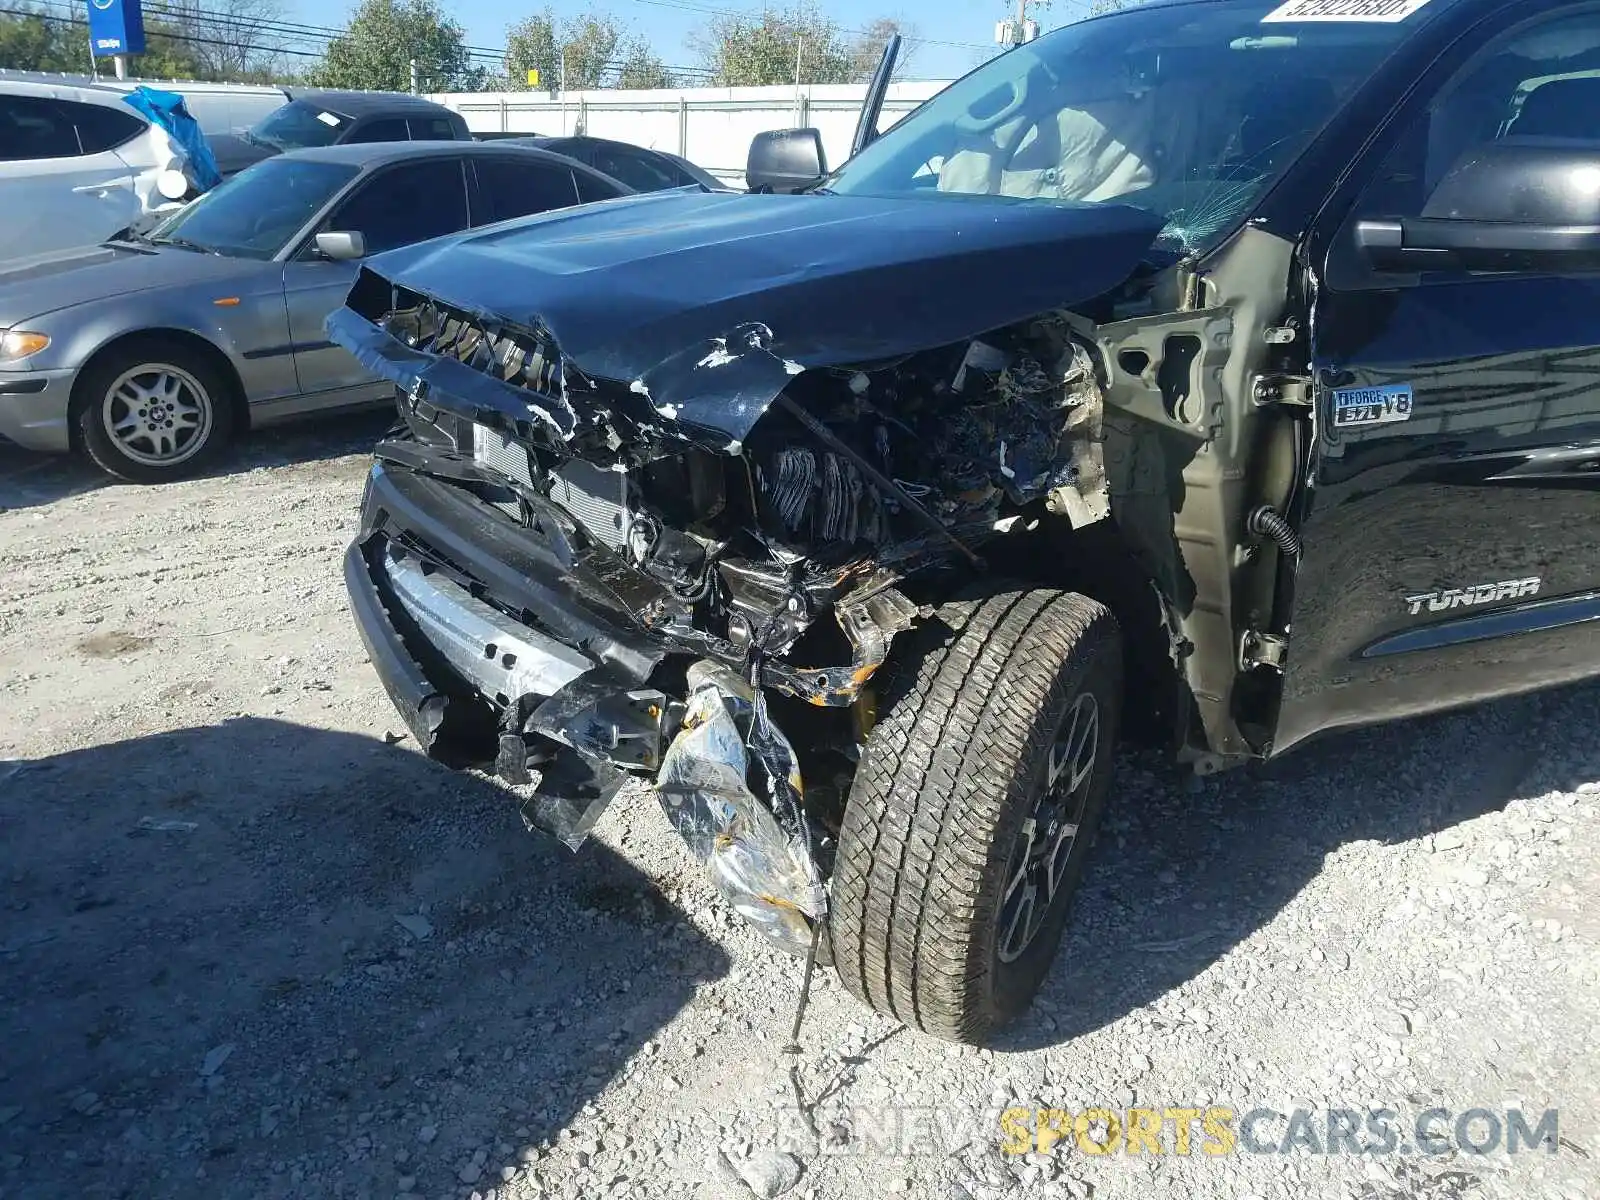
77, 164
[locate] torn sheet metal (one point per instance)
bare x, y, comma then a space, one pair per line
567, 809
700, 308
601, 735
730, 785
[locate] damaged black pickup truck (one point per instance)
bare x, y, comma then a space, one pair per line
1217, 372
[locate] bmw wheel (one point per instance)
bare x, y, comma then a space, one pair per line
153, 412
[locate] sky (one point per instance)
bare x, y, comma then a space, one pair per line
958, 33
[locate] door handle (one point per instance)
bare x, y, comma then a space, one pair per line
104, 188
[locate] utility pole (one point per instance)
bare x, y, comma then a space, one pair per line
416, 78
799, 46
1014, 32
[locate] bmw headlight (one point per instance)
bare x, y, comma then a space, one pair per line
18, 343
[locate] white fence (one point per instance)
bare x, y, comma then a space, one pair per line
711, 127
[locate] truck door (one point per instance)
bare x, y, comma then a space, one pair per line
1451, 552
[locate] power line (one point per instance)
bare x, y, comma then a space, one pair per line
300, 32
707, 10
173, 37
289, 30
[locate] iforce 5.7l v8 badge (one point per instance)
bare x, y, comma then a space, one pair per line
1357, 407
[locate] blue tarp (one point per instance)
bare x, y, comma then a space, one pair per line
168, 110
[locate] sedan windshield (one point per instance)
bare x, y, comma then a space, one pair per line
257, 212
298, 125
1190, 112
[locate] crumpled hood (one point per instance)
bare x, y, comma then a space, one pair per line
45, 283
709, 303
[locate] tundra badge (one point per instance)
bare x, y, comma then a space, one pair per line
1444, 599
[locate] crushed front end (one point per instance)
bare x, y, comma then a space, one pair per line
689, 577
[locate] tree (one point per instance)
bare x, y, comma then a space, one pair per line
229, 39
168, 54
30, 40
868, 46
383, 38
588, 43
641, 68
752, 50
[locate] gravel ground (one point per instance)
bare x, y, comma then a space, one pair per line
253, 945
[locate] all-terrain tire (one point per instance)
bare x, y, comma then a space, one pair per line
950, 779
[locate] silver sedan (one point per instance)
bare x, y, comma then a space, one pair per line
148, 353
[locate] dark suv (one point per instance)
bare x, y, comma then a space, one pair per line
1222, 371
324, 118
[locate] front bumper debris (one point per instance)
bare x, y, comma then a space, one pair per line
726, 779
434, 578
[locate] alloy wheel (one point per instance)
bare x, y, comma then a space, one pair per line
157, 414
1044, 845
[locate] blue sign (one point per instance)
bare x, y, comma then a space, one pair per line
116, 27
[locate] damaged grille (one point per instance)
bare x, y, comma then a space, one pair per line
523, 357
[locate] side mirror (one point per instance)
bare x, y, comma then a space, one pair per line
785, 160
342, 246
1517, 204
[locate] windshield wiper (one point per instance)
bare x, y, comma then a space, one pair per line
184, 244
128, 236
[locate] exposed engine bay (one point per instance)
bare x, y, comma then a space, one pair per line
854, 481
857, 479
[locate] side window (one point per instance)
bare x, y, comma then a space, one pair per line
1540, 81
638, 171
101, 128
591, 189
432, 129
516, 189
32, 127
385, 129
406, 204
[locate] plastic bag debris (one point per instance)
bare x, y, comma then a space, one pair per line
168, 112
723, 780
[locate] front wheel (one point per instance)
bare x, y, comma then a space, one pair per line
973, 810
153, 412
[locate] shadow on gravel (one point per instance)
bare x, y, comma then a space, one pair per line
262, 960
1182, 875
28, 479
